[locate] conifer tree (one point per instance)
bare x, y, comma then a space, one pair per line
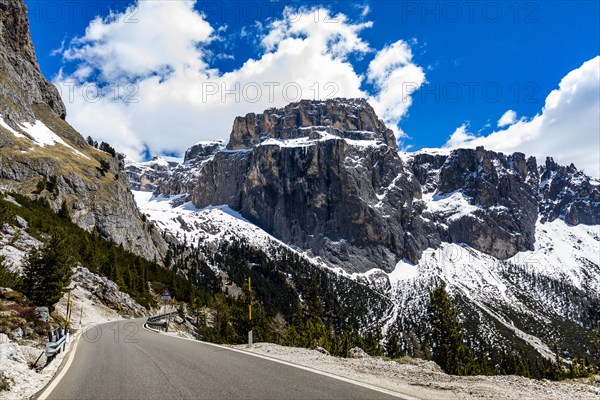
392, 345
315, 308
47, 272
596, 340
446, 337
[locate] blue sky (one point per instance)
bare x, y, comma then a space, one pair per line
479, 59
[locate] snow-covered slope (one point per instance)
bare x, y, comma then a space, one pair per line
527, 296
514, 298
39, 135
210, 225
192, 225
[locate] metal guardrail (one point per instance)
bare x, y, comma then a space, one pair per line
154, 321
57, 341
161, 316
161, 325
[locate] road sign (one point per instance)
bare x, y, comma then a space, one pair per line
166, 295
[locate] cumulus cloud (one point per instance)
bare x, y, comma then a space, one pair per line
124, 45
459, 137
149, 85
508, 118
395, 78
568, 127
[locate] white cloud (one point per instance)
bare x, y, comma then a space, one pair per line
395, 77
459, 137
508, 118
365, 9
180, 99
568, 128
125, 44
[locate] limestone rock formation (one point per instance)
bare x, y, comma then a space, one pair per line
21, 83
326, 177
345, 118
568, 194
43, 156
170, 178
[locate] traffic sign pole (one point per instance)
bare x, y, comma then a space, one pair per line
165, 297
249, 313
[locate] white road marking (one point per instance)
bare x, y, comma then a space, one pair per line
52, 385
316, 371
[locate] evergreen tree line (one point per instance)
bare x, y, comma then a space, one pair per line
103, 146
447, 346
47, 270
335, 312
228, 322
581, 306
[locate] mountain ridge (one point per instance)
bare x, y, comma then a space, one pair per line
367, 194
507, 238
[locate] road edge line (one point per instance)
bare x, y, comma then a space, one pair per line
45, 392
290, 364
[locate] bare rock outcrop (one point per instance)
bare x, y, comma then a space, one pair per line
90, 182
21, 83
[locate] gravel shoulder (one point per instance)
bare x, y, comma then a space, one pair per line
424, 379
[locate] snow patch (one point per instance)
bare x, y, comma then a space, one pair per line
324, 136
11, 130
41, 135
453, 205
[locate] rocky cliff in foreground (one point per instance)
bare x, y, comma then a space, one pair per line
42, 155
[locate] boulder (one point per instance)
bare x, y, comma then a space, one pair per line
21, 223
43, 313
357, 352
17, 334
322, 350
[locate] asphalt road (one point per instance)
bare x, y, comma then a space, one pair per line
123, 360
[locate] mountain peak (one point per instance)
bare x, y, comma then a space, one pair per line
352, 119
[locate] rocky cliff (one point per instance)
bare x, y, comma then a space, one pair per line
344, 118
42, 155
21, 83
326, 177
170, 178
568, 194
482, 198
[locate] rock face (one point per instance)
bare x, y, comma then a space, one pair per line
107, 292
568, 194
503, 193
326, 177
91, 183
345, 118
335, 189
21, 84
169, 178
346, 195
